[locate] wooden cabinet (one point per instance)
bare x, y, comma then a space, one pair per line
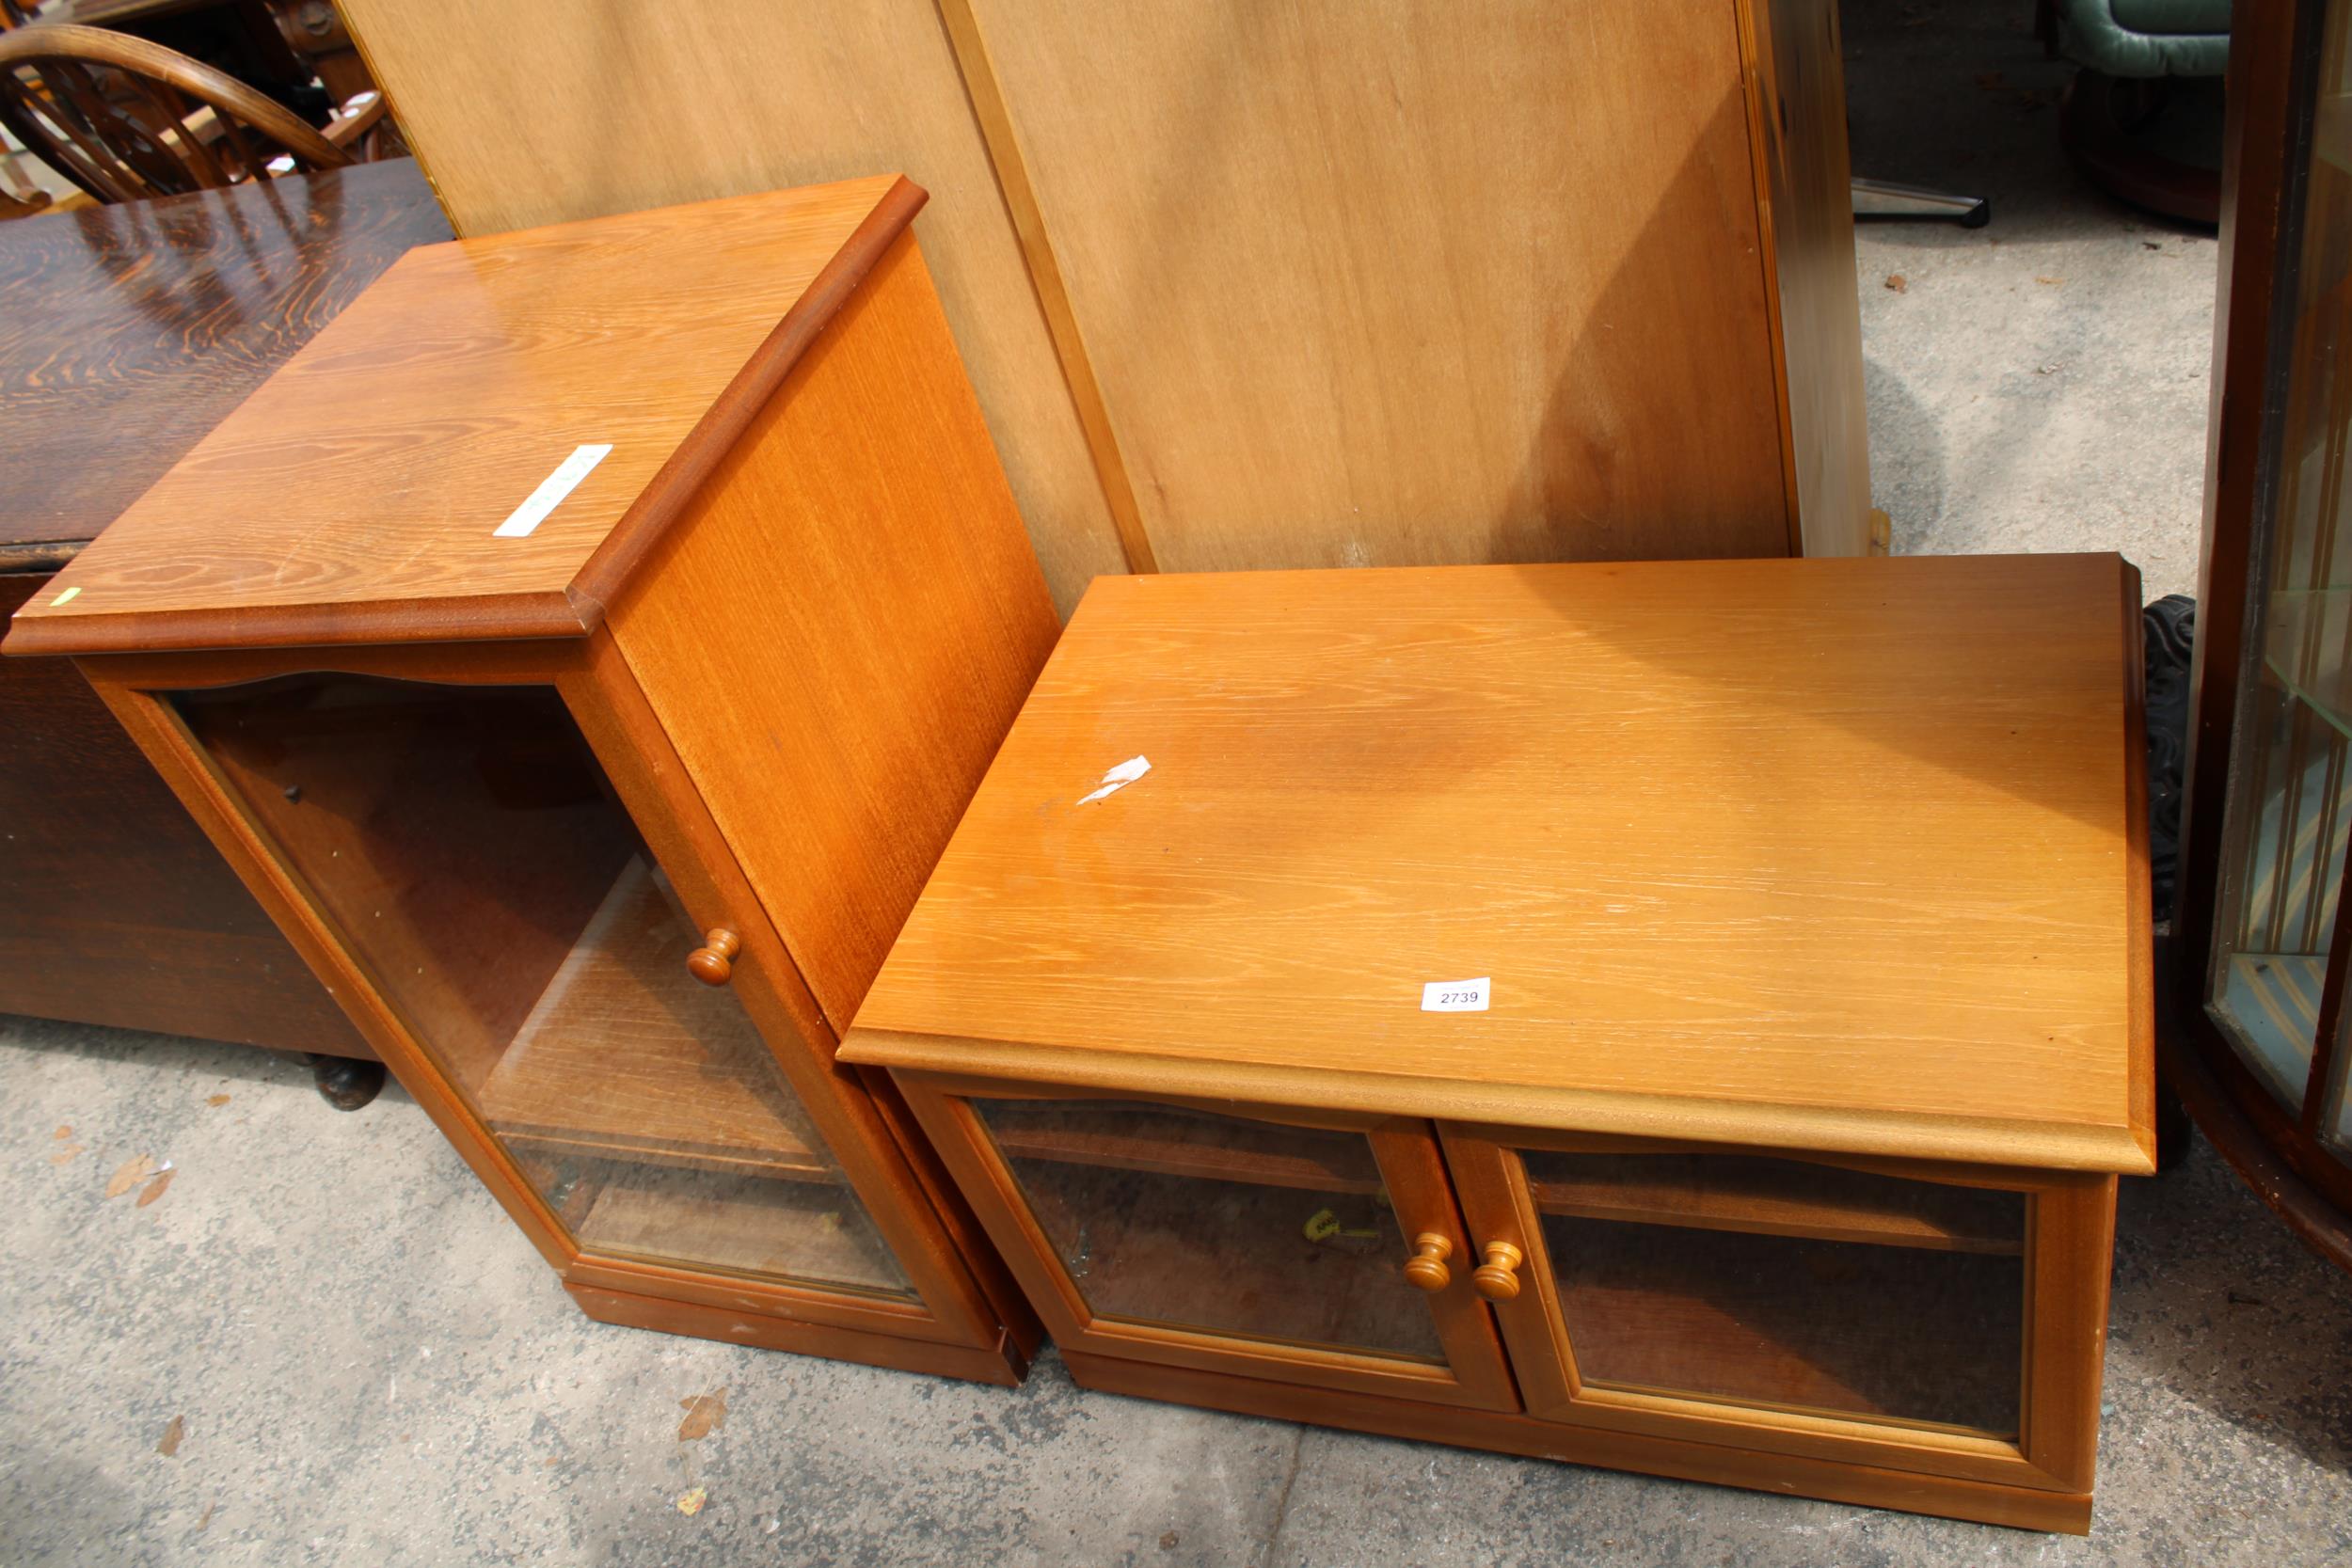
2258, 1040
582, 648
1489, 1012
126, 332
1382, 284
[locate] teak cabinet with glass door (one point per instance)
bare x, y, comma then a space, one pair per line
2260, 953
1476, 1005
582, 648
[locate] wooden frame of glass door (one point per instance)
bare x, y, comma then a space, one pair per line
2279, 60
1473, 1374
956, 1325
2069, 1234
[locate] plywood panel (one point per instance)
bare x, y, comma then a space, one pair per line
1407, 282
1807, 176
532, 111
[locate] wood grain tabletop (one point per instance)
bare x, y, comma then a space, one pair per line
127, 332
485, 440
1839, 853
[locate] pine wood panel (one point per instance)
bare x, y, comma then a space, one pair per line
1407, 282
536, 111
860, 551
355, 497
1630, 795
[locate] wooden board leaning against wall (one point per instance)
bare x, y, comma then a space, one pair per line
1399, 283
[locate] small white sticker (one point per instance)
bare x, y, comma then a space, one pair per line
1119, 777
552, 492
1456, 996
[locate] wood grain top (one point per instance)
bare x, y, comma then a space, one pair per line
1838, 854
127, 332
357, 496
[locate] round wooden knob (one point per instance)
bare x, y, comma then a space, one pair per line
1497, 1278
1425, 1270
713, 962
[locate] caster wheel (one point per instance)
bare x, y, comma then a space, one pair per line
345, 1083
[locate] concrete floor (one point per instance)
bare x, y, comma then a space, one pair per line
364, 1362
367, 1364
2040, 384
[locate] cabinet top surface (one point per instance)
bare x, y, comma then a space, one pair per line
376, 487
1830, 853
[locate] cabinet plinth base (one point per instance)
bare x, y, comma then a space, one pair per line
1002, 1363
1985, 1502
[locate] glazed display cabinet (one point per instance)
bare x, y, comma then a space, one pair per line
1484, 1004
2259, 958
581, 648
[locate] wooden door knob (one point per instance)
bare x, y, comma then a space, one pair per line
1425, 1269
713, 962
1497, 1278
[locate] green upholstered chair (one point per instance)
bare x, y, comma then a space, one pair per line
2144, 116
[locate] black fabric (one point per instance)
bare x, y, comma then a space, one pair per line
2168, 629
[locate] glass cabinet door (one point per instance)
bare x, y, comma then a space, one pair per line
1167, 1233
1785, 1283
2276, 967
1761, 1288
474, 860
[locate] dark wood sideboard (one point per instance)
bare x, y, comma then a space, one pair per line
126, 333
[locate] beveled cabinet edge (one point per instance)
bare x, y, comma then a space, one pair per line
580, 607
722, 424
2040, 1145
2138, 898
948, 1312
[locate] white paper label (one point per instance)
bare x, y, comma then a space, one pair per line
1456, 996
552, 492
1119, 777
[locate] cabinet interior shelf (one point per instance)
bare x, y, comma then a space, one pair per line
623, 1057
1699, 1192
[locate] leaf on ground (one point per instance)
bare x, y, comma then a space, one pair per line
67, 1152
207, 1520
130, 1174
172, 1433
704, 1415
2051, 281
1898, 282
62, 1134
156, 1189
690, 1503
217, 1100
